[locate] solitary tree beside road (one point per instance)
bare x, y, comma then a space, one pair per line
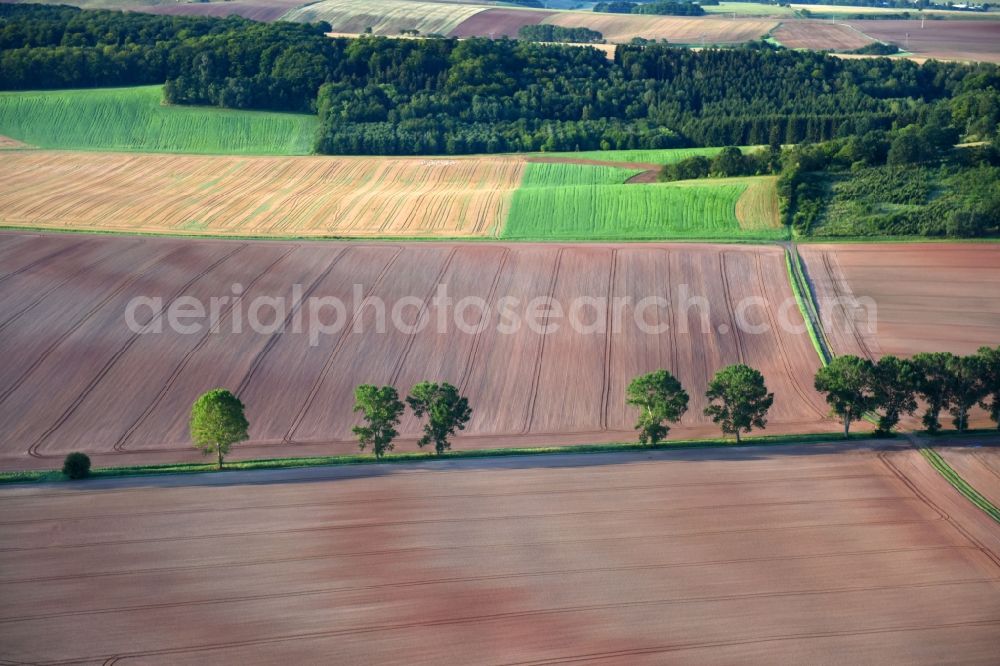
381, 408
218, 422
660, 399
446, 411
738, 400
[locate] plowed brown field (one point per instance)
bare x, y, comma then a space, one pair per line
498, 23
75, 377
927, 297
291, 196
758, 555
948, 40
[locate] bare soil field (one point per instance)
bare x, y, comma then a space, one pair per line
257, 10
947, 40
290, 196
498, 23
820, 35
980, 466
758, 555
928, 297
621, 28
76, 377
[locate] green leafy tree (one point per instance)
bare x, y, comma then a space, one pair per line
847, 382
894, 388
963, 388
738, 400
989, 367
932, 378
76, 465
218, 422
446, 411
660, 399
381, 408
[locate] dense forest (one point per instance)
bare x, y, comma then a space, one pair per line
854, 121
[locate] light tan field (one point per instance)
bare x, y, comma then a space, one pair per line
291, 196
771, 555
820, 36
620, 28
386, 17
757, 207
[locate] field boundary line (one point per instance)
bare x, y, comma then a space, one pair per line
477, 341
608, 336
825, 356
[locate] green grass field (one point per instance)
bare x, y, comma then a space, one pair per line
662, 156
133, 119
564, 202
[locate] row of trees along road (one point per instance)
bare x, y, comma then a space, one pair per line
892, 386
738, 401
737, 396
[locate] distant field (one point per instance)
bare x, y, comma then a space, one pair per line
265, 196
748, 9
620, 28
663, 156
386, 17
133, 119
820, 36
560, 202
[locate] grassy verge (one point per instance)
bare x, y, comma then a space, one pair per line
797, 281
960, 484
39, 476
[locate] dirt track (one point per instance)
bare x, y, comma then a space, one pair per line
771, 555
76, 377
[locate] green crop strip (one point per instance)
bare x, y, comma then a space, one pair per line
800, 298
960, 484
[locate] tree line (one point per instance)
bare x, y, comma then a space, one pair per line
737, 401
376, 95
891, 388
658, 7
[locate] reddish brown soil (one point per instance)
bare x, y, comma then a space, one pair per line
820, 35
948, 40
257, 10
75, 377
770, 555
980, 466
498, 23
928, 297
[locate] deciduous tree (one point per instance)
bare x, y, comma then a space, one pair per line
446, 411
894, 389
847, 382
217, 422
661, 400
738, 400
381, 408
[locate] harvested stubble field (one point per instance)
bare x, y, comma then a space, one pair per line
820, 36
928, 296
495, 22
298, 196
784, 555
76, 378
386, 17
621, 28
257, 10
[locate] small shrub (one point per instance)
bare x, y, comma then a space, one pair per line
76, 465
